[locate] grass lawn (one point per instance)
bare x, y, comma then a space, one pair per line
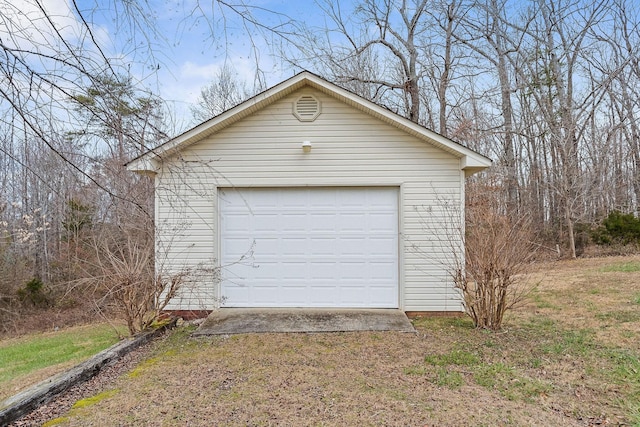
26, 360
568, 357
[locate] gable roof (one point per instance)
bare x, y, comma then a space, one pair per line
471, 161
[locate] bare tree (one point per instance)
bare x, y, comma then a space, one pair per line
386, 33
224, 91
491, 34
442, 56
616, 67
564, 109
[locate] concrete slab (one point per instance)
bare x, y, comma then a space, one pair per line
251, 320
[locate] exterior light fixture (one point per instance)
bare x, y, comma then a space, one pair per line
306, 146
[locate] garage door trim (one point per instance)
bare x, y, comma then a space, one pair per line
363, 269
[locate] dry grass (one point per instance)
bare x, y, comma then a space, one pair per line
568, 357
601, 295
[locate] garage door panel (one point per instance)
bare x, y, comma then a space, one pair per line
379, 295
266, 271
235, 272
323, 296
321, 246
382, 270
293, 222
321, 270
236, 292
236, 222
350, 270
331, 247
355, 296
268, 246
263, 222
300, 202
381, 222
295, 271
352, 224
260, 200
293, 246
321, 199
321, 222
352, 197
267, 293
294, 296
382, 246
352, 246
236, 248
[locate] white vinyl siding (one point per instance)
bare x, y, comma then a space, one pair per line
349, 149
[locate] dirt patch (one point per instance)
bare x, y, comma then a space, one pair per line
101, 382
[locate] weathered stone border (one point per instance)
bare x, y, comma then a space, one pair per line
28, 400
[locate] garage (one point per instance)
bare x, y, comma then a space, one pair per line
298, 197
309, 247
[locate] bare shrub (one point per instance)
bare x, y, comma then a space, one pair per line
487, 252
128, 283
499, 251
125, 279
120, 275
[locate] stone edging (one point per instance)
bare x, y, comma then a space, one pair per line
26, 401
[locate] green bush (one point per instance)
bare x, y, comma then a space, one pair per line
618, 228
34, 292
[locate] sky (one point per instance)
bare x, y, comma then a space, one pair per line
194, 40
172, 47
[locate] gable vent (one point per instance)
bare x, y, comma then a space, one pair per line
306, 108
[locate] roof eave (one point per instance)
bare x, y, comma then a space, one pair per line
472, 164
144, 165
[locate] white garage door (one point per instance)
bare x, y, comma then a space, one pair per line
309, 247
